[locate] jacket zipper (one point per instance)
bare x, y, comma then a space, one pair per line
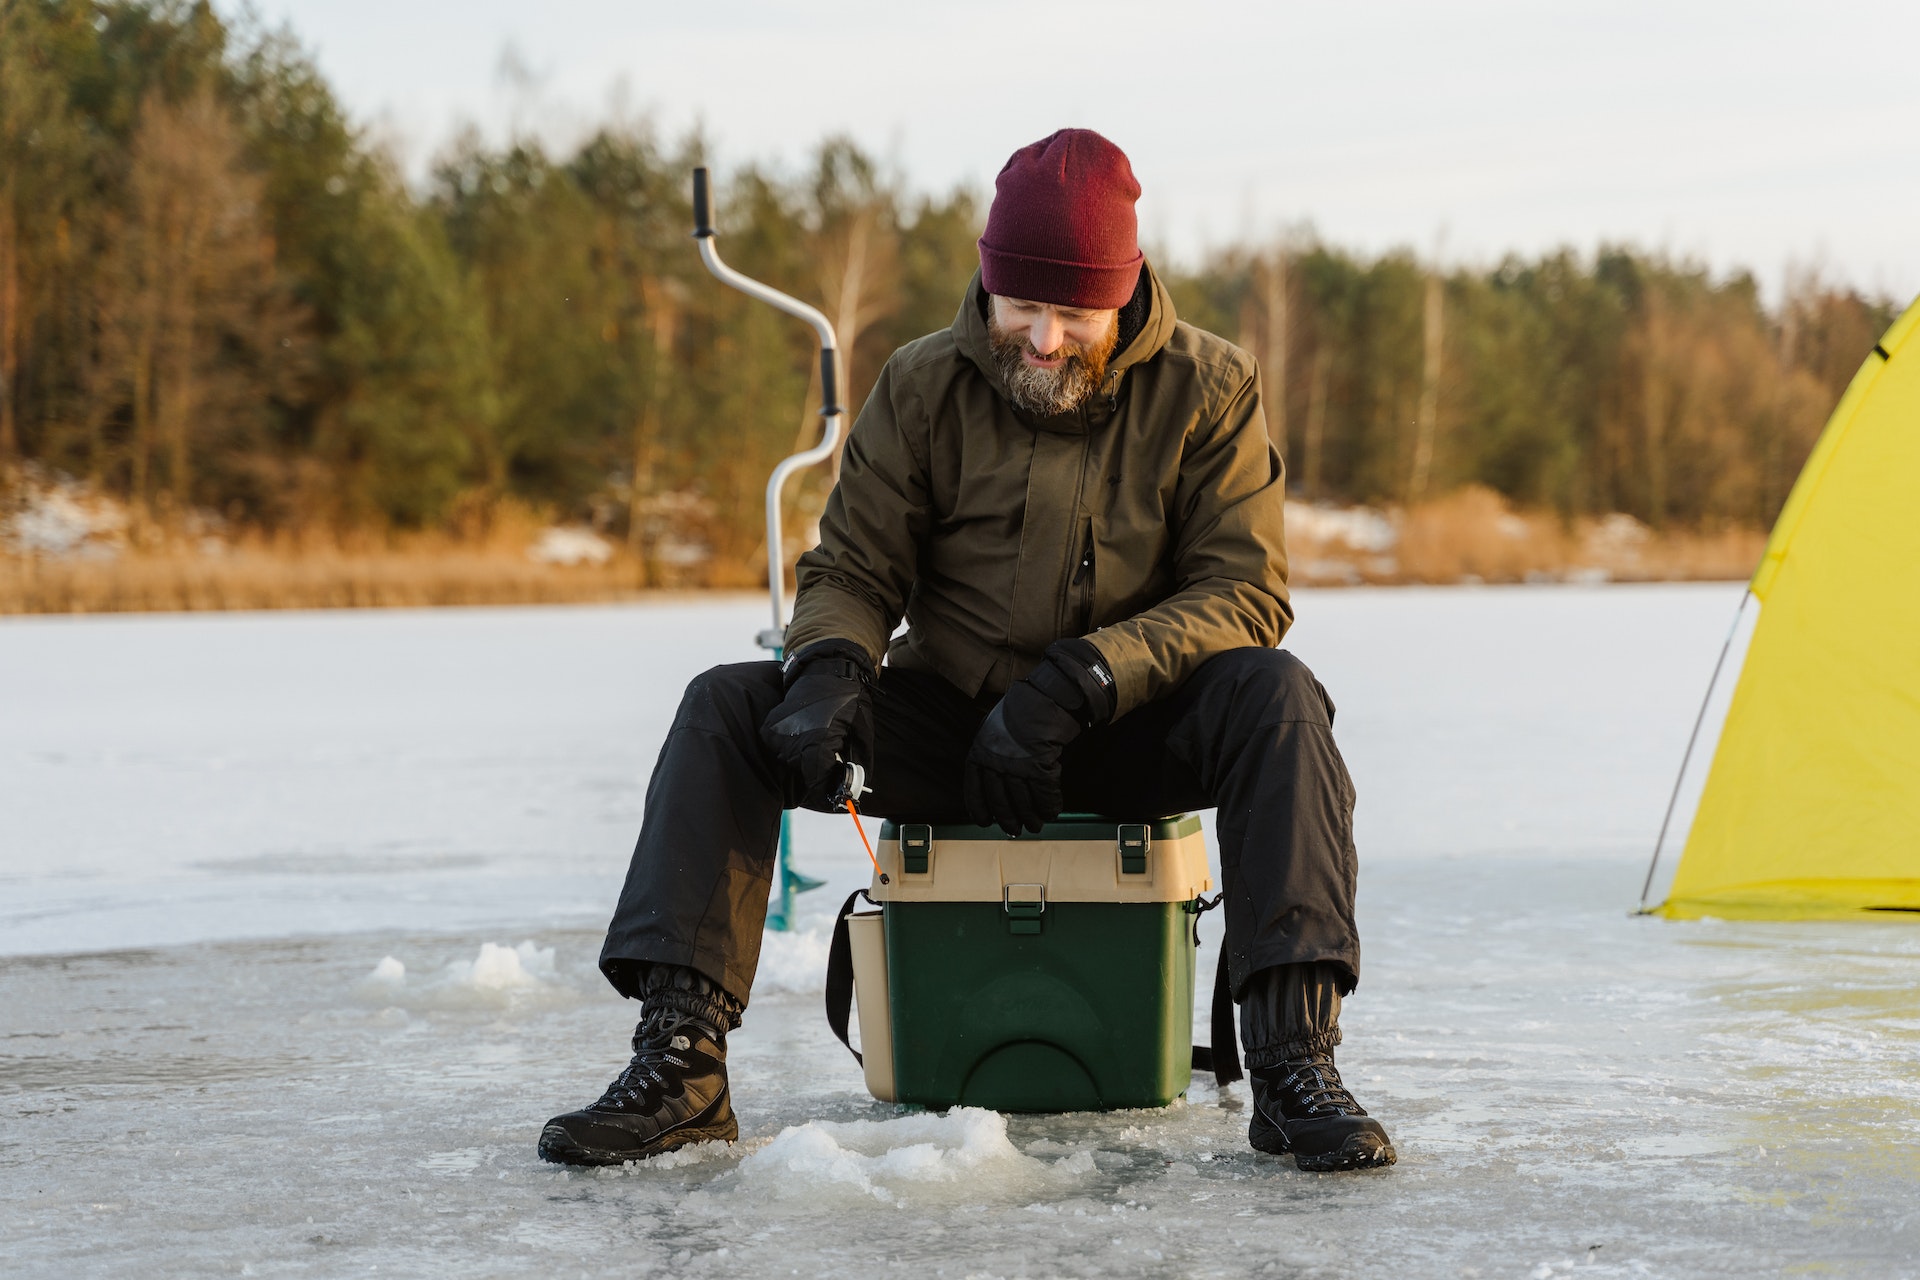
1083, 584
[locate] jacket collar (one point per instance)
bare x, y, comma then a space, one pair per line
970, 335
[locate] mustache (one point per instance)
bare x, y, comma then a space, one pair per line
1008, 345
1070, 350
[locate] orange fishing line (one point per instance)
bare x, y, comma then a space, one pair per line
863, 840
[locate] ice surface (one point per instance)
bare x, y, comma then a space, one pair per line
1696, 1100
301, 914
179, 778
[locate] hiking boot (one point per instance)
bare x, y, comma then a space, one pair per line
672, 1094
1301, 1107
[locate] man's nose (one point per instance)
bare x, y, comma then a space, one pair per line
1046, 333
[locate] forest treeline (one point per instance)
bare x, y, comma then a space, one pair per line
220, 299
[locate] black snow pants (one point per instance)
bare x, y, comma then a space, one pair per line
1250, 733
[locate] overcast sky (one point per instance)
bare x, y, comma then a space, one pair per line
1753, 134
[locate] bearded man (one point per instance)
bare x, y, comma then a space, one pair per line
1072, 499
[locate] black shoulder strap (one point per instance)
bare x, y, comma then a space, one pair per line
1222, 1057
840, 975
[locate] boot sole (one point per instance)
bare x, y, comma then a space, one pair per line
560, 1147
1359, 1151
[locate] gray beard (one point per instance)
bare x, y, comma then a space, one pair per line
1047, 392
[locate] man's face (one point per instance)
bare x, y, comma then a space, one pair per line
1052, 358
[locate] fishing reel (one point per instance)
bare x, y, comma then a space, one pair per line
853, 785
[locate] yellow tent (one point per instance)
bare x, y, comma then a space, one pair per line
1812, 809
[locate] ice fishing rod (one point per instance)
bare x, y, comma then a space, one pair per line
774, 638
852, 787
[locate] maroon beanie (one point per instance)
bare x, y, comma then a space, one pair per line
1062, 228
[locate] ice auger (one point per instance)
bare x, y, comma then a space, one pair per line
833, 420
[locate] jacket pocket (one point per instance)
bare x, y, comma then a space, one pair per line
1079, 602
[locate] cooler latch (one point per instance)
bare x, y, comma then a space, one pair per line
916, 848
1135, 839
1023, 904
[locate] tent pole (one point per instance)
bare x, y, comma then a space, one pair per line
1692, 738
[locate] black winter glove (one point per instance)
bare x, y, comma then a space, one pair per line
1013, 770
826, 717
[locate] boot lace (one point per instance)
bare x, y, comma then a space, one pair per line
656, 1042
1315, 1089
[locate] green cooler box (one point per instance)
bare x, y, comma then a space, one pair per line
1049, 972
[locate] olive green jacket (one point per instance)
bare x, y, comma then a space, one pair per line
1148, 521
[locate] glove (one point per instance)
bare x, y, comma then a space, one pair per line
1013, 769
826, 717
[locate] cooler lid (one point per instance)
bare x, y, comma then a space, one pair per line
1080, 857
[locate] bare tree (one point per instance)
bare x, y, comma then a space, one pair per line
1317, 418
1802, 286
1656, 402
856, 252
28, 107
203, 331
663, 297
1275, 348
860, 277
9, 318
1434, 330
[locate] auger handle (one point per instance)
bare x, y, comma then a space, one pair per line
702, 206
830, 409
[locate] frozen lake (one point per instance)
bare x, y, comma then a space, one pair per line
215, 829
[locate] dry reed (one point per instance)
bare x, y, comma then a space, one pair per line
1468, 536
256, 579
1471, 535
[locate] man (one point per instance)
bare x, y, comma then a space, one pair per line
1071, 498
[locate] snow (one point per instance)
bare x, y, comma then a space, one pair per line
569, 545
795, 961
499, 968
1356, 528
300, 917
911, 1161
62, 519
390, 972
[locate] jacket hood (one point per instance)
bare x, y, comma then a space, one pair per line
970, 335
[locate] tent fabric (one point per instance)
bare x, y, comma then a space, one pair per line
1812, 807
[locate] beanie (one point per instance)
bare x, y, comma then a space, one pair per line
1062, 228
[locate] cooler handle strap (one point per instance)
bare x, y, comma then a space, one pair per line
840, 974
1222, 1057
